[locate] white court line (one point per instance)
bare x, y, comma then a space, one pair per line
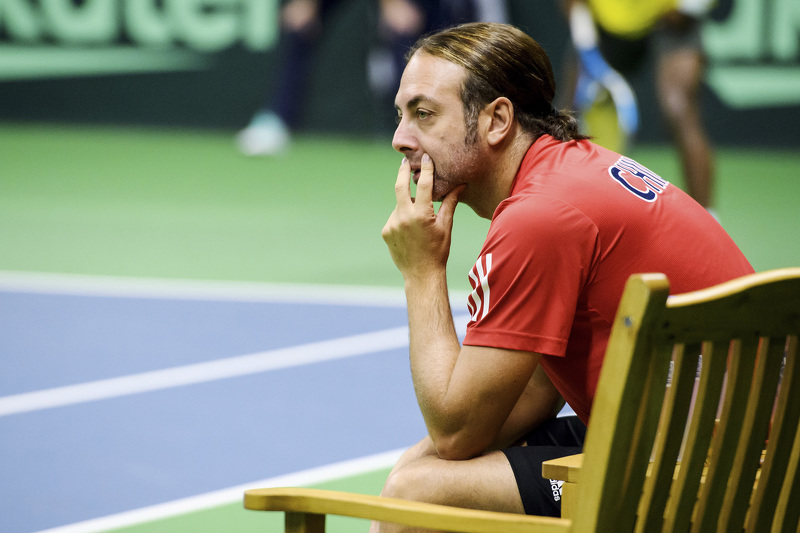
183, 289
313, 476
215, 370
123, 287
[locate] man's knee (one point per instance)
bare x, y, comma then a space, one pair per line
411, 482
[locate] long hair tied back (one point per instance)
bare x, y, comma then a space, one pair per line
503, 61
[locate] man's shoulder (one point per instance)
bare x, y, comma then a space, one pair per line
550, 157
542, 217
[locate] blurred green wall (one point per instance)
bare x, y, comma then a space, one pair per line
209, 63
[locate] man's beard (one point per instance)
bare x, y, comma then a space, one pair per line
463, 167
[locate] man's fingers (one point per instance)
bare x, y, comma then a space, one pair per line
449, 203
425, 182
402, 186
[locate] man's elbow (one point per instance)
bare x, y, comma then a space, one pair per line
459, 447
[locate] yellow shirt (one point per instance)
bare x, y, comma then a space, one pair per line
629, 18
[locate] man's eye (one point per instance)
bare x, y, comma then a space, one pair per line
398, 118
422, 114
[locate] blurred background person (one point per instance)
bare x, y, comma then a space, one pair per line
612, 39
400, 23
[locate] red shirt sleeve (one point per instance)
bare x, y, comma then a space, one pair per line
530, 274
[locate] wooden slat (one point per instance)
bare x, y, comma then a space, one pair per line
668, 443
678, 515
304, 523
777, 473
787, 512
416, 514
721, 318
632, 460
712, 491
753, 437
647, 427
608, 471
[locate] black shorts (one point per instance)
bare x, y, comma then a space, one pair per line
627, 56
555, 438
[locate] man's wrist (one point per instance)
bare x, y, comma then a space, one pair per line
425, 279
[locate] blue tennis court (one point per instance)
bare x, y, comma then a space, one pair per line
114, 400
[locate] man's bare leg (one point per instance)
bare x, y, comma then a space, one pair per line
486, 482
679, 75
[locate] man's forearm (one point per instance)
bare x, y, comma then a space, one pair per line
433, 349
464, 403
466, 394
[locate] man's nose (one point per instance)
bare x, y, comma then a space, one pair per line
404, 141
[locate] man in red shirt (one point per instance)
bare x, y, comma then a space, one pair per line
570, 223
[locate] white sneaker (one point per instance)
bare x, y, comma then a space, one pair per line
265, 135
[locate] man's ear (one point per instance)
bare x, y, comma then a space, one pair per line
500, 114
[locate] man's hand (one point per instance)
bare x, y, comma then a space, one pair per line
465, 394
417, 236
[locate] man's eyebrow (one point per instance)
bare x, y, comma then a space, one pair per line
417, 100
